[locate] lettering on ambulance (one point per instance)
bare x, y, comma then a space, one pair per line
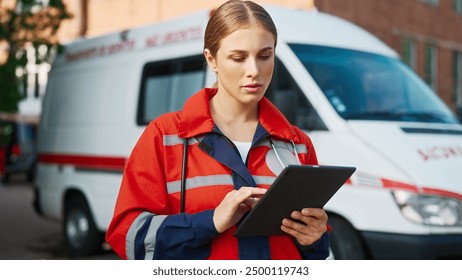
440, 152
104, 50
119, 47
87, 53
129, 45
174, 36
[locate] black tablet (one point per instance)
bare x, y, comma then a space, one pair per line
297, 187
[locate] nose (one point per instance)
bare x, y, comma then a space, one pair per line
252, 67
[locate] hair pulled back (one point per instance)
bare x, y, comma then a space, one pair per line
234, 15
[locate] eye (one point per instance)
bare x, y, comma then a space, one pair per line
265, 56
238, 58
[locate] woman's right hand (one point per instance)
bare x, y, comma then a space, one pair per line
235, 204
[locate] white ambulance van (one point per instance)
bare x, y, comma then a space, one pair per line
351, 93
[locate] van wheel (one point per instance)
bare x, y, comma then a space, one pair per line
80, 232
345, 241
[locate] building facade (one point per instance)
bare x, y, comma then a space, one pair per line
96, 17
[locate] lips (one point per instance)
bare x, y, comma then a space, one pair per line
252, 87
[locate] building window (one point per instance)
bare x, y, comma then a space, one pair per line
431, 66
409, 53
457, 78
431, 2
457, 5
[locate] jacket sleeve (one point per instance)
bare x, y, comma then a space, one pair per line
319, 250
142, 226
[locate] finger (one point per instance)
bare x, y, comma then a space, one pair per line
313, 224
244, 193
317, 213
292, 231
251, 202
234, 198
303, 239
313, 227
243, 207
256, 192
299, 216
240, 195
304, 235
294, 226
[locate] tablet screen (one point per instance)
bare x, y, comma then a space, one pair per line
297, 187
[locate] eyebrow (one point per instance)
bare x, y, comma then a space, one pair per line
242, 51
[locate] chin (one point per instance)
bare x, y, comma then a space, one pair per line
252, 98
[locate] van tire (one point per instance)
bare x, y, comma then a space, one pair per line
81, 235
345, 241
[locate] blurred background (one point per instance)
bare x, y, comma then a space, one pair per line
427, 34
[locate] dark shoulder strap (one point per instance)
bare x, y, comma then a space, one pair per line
183, 175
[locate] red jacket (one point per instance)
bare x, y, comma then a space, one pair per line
147, 223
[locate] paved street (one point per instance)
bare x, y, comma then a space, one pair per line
23, 234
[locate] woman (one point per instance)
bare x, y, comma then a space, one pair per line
230, 133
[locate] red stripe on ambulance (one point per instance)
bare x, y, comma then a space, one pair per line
84, 161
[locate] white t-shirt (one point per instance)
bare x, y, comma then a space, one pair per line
243, 148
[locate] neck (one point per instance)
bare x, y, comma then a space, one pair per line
236, 120
224, 108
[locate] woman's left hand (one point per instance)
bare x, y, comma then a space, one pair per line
311, 224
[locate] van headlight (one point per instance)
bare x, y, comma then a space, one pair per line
429, 209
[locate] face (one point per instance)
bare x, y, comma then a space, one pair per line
244, 64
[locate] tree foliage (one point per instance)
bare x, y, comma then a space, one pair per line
26, 24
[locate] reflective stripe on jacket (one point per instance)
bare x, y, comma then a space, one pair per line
147, 222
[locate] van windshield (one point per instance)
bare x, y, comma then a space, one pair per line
365, 86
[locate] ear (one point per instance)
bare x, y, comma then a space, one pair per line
211, 61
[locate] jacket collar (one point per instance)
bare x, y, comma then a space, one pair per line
196, 119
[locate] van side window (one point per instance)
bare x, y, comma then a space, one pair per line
166, 85
285, 94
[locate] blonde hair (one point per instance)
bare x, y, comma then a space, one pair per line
234, 15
